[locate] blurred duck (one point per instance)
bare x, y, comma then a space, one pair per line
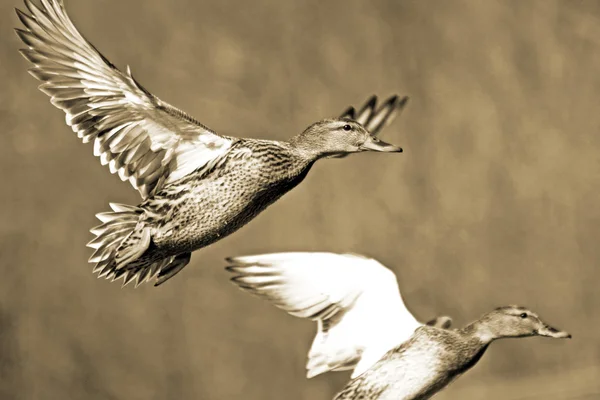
432, 358
197, 187
355, 301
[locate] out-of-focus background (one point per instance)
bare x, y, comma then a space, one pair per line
495, 201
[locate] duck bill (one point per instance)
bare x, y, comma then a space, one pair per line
374, 144
549, 331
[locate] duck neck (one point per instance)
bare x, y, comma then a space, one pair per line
481, 331
306, 149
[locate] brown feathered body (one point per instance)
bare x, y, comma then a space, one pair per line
417, 369
207, 206
202, 208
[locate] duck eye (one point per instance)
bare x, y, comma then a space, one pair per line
524, 315
347, 127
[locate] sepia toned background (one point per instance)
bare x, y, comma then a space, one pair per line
495, 201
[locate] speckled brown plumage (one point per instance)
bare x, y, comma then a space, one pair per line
393, 372
432, 358
196, 186
201, 209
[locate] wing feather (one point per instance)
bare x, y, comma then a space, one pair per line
291, 282
375, 118
138, 135
354, 299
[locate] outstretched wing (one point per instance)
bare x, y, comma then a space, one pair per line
306, 285
355, 300
374, 118
142, 138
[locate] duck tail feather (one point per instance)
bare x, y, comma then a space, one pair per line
172, 268
118, 240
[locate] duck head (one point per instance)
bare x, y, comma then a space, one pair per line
515, 321
338, 137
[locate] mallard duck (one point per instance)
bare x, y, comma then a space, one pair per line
355, 301
197, 187
432, 358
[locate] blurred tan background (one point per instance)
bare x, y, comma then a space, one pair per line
495, 201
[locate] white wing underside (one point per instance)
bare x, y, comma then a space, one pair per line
355, 301
145, 140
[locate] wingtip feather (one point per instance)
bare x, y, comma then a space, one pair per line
23, 17
372, 102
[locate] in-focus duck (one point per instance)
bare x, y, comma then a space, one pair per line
432, 358
197, 186
354, 299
